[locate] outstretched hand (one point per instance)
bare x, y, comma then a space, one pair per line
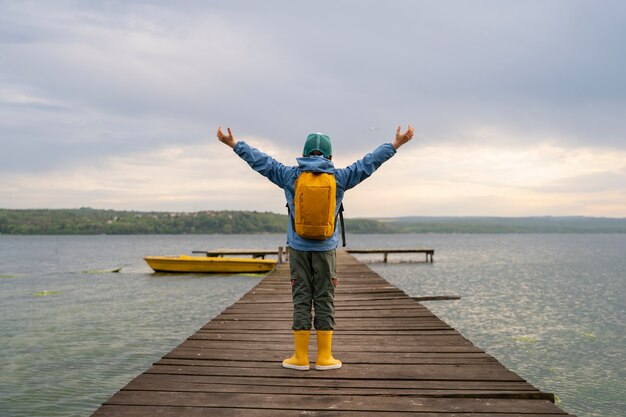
402, 138
226, 139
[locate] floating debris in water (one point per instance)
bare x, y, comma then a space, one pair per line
7, 276
102, 271
46, 293
524, 339
590, 336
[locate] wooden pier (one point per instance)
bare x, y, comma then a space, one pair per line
399, 360
256, 253
428, 252
262, 253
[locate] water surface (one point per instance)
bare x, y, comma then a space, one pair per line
549, 307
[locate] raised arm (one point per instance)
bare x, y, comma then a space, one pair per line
401, 138
228, 139
363, 168
257, 160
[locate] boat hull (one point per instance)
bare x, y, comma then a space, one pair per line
214, 265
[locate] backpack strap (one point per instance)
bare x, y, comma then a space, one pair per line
343, 226
293, 222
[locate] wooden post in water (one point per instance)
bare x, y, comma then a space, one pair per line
280, 254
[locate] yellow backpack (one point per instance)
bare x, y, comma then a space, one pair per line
315, 201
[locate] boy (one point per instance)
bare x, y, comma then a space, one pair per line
312, 259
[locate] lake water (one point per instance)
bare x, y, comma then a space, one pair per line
549, 307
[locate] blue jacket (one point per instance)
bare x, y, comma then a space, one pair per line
285, 177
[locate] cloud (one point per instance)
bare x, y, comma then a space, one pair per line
177, 178
591, 183
85, 84
422, 179
495, 178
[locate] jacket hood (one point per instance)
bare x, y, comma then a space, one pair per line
316, 164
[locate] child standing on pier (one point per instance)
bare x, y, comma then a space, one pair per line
314, 189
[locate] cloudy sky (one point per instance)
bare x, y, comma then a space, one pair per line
519, 106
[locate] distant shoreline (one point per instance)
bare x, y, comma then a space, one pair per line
88, 221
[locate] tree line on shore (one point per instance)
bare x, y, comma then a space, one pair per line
97, 221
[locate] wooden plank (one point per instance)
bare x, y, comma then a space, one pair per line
185, 383
228, 358
153, 411
206, 339
302, 380
358, 371
370, 304
390, 250
373, 349
358, 341
202, 333
335, 403
256, 253
299, 390
343, 314
355, 301
262, 326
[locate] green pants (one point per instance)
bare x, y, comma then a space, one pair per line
313, 286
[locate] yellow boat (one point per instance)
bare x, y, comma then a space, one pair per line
209, 264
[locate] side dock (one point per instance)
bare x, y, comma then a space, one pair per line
399, 359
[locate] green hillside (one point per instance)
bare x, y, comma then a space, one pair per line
95, 221
111, 222
545, 224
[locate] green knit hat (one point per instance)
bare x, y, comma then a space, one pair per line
318, 142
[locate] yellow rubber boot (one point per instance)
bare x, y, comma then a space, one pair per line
325, 360
300, 358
